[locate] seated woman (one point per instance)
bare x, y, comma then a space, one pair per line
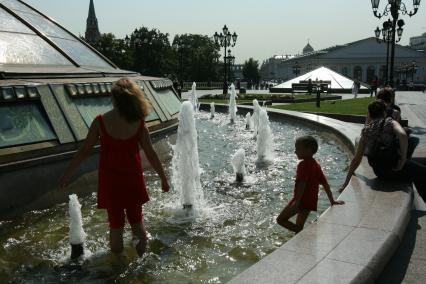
388, 132
387, 95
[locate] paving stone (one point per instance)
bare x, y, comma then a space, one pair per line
330, 271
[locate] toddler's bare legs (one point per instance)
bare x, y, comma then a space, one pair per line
288, 212
301, 218
140, 234
116, 240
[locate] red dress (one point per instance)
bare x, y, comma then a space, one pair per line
121, 181
309, 171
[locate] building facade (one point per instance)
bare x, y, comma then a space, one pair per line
418, 42
92, 30
362, 60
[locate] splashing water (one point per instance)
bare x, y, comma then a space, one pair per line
211, 249
233, 104
249, 122
212, 110
237, 161
264, 139
185, 164
255, 116
77, 234
193, 97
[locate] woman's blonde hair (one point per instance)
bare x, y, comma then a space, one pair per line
130, 100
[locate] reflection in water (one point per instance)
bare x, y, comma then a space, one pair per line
237, 229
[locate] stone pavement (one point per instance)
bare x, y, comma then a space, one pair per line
408, 265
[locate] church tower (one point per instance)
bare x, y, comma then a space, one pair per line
92, 29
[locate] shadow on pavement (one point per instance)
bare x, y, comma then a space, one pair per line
396, 269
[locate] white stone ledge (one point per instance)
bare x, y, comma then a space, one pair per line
348, 244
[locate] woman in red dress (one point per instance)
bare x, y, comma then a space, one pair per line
121, 187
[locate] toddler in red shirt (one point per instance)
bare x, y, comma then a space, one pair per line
308, 178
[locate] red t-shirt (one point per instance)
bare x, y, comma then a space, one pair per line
309, 171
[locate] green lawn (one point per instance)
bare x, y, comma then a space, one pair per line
351, 106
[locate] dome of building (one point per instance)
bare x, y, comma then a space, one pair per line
308, 48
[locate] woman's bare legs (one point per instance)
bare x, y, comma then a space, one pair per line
116, 240
139, 233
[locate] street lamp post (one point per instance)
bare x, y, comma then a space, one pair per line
296, 69
413, 69
386, 32
181, 47
225, 40
394, 8
231, 60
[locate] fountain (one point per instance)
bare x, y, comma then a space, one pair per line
77, 234
255, 116
232, 104
264, 139
184, 244
237, 161
185, 165
249, 122
193, 97
212, 110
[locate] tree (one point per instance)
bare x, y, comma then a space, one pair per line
251, 71
199, 56
116, 50
151, 51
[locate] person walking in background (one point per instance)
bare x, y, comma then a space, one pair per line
309, 176
355, 88
374, 86
121, 187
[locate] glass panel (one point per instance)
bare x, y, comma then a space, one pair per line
15, 5
23, 124
89, 108
45, 26
80, 53
28, 49
169, 100
152, 116
8, 23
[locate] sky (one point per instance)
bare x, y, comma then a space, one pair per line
265, 28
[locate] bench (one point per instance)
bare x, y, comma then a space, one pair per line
303, 86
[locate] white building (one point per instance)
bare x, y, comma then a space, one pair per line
418, 42
362, 60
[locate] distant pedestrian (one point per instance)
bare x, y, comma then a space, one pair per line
310, 86
355, 88
374, 85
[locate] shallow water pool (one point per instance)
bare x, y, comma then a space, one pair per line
235, 230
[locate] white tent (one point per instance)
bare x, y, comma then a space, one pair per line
339, 83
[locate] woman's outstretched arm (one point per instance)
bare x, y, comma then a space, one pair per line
403, 144
151, 155
356, 160
91, 140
